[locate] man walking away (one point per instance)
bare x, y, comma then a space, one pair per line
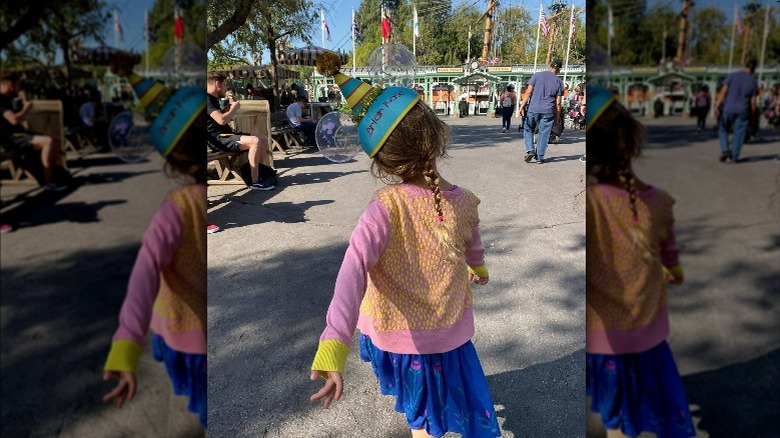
738, 96
542, 99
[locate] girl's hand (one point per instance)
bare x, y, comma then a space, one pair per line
125, 389
332, 390
477, 279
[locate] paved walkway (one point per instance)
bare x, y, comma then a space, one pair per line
273, 267
64, 277
725, 318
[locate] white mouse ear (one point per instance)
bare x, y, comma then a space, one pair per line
337, 138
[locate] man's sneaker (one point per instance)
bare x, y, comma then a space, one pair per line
540, 161
582, 158
211, 229
530, 155
6, 228
504, 130
55, 187
724, 156
260, 185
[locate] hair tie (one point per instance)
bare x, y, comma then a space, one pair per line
440, 218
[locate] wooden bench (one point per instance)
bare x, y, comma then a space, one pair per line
227, 165
281, 130
17, 174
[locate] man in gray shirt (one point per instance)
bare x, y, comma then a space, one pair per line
542, 101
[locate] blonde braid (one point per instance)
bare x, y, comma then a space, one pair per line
443, 230
639, 233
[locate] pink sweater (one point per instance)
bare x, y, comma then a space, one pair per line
626, 308
407, 299
167, 287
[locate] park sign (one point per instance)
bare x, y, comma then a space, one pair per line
449, 69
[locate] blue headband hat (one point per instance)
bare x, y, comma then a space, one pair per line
173, 111
376, 111
598, 100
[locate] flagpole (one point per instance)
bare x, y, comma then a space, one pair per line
146, 37
414, 31
322, 26
116, 28
733, 31
568, 45
354, 51
610, 34
763, 45
468, 56
538, 30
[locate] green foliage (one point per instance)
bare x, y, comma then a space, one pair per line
271, 23
62, 24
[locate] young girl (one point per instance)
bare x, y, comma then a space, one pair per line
631, 377
405, 277
167, 287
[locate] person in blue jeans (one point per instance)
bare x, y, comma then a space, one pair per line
542, 100
737, 97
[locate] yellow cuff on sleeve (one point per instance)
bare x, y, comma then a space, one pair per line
480, 271
331, 356
676, 271
124, 356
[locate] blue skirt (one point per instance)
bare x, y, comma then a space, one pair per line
443, 392
187, 372
639, 392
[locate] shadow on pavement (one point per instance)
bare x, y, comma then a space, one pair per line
738, 400
529, 395
283, 212
57, 321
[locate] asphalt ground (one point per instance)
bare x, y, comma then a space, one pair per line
273, 266
725, 318
64, 276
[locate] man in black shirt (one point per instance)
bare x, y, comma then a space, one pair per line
14, 137
217, 125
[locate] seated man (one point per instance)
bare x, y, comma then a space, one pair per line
295, 116
13, 135
217, 125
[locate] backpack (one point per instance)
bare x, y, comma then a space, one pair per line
507, 102
701, 101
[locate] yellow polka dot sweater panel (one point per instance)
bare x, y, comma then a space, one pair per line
180, 307
414, 285
625, 292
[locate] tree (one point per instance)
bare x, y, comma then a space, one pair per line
710, 36
62, 25
268, 23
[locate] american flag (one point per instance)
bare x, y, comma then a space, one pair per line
325, 27
148, 29
571, 28
356, 31
118, 28
545, 25
740, 25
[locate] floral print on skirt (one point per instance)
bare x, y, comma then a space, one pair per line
187, 372
639, 392
442, 392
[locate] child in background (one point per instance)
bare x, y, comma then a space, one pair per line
167, 287
405, 277
631, 377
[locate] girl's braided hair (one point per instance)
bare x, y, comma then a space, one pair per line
411, 151
614, 139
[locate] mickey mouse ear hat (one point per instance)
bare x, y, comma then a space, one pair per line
376, 111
